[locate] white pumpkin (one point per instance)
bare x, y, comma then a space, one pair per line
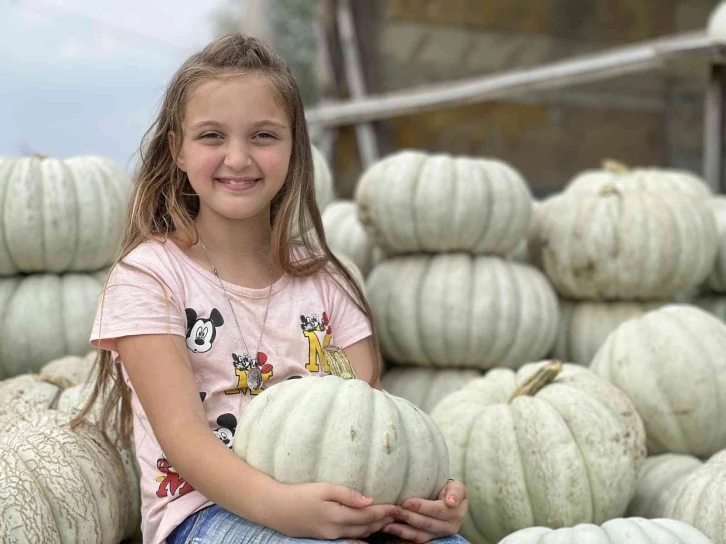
657, 476
62, 486
45, 317
324, 188
343, 432
624, 245
620, 176
75, 369
346, 235
671, 363
585, 325
717, 280
461, 311
415, 202
615, 531
696, 496
551, 445
425, 387
60, 216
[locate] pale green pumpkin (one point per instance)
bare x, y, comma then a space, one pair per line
684, 488
551, 445
46, 316
652, 179
462, 311
615, 531
60, 215
343, 432
585, 325
671, 363
346, 235
425, 387
415, 202
620, 244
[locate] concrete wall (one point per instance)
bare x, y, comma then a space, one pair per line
647, 119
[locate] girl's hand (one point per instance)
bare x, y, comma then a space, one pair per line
328, 511
426, 520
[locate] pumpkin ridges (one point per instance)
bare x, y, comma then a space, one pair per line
33, 523
7, 265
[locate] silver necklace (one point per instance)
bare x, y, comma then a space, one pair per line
229, 301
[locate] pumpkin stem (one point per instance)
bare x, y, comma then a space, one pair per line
339, 364
544, 376
609, 190
616, 167
41, 156
59, 381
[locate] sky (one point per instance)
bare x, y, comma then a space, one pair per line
82, 77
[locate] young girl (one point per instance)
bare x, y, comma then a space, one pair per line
211, 302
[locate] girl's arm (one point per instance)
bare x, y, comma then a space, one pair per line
160, 371
361, 356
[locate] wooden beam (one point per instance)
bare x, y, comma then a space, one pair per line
714, 125
648, 55
365, 132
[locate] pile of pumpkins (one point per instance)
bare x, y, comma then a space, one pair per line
61, 223
620, 248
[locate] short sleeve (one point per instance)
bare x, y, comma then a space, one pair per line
349, 322
136, 300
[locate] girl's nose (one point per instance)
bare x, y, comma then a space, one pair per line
238, 157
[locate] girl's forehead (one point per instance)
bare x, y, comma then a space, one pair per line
247, 96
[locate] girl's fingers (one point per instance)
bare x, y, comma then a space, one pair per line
365, 516
362, 531
433, 509
433, 525
453, 493
406, 532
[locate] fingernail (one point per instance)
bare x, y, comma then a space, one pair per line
366, 499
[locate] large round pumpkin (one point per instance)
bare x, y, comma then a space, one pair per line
551, 445
695, 494
61, 486
346, 235
45, 317
60, 216
624, 245
657, 476
653, 179
413, 202
585, 325
343, 432
425, 387
671, 363
462, 311
615, 531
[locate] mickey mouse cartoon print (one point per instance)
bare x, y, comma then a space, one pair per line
251, 373
201, 332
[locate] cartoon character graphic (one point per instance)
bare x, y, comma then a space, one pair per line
251, 373
201, 332
227, 426
311, 325
171, 482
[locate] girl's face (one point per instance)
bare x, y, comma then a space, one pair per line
236, 147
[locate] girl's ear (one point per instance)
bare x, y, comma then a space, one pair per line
178, 158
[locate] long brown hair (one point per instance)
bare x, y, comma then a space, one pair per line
163, 201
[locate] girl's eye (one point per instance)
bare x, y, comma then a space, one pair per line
266, 136
209, 136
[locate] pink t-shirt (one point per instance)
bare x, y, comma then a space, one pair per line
305, 315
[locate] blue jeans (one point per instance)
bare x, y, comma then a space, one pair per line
215, 525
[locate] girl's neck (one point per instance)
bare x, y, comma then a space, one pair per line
236, 239
240, 250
